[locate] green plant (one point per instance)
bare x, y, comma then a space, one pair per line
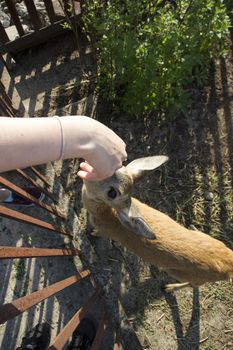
149, 52
20, 268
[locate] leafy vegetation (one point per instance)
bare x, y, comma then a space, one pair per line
148, 53
20, 268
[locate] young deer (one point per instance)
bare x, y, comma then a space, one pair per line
191, 257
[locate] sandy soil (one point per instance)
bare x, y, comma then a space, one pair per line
195, 188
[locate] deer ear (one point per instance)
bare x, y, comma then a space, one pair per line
132, 219
138, 168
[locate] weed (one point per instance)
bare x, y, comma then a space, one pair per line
19, 266
149, 53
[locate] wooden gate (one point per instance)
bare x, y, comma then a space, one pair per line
40, 33
18, 306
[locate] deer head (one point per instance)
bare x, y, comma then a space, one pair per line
116, 192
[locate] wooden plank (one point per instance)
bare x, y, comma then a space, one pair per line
7, 184
32, 39
25, 252
34, 16
50, 10
15, 215
18, 306
15, 17
35, 184
59, 342
3, 35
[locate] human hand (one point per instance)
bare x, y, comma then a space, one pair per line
105, 156
103, 150
87, 172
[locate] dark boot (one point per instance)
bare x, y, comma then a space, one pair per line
38, 338
84, 334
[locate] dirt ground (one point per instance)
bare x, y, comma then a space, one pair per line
195, 188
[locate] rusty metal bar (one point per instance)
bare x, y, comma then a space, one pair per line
6, 183
59, 342
3, 35
35, 184
25, 252
14, 15
100, 332
34, 16
128, 335
18, 306
50, 10
15, 215
42, 177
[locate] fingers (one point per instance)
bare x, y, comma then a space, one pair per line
102, 169
90, 176
85, 166
84, 175
87, 172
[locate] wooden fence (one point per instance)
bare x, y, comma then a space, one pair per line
17, 306
40, 32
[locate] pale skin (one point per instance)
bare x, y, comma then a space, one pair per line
32, 141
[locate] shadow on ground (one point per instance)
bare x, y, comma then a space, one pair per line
195, 188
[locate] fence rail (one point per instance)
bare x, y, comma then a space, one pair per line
35, 184
16, 215
24, 252
15, 17
59, 342
40, 32
18, 306
101, 330
7, 184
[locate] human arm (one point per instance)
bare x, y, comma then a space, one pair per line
31, 141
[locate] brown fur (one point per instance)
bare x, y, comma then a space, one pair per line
187, 255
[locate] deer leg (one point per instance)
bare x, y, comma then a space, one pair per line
91, 227
171, 287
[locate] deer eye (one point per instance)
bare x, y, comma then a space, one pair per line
112, 193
